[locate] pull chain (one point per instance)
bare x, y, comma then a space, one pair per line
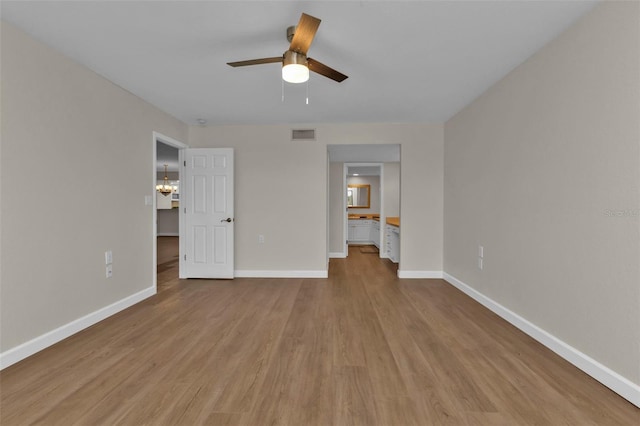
307, 92
282, 81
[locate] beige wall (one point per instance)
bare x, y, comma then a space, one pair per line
65, 127
168, 222
534, 169
271, 170
391, 188
336, 208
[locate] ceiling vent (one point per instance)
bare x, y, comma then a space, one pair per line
303, 134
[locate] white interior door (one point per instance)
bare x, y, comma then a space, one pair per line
206, 209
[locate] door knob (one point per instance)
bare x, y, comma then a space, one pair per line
226, 220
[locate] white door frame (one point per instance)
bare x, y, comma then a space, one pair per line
159, 137
345, 231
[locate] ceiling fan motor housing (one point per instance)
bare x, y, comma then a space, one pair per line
290, 32
291, 57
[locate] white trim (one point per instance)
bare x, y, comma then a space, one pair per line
168, 141
383, 215
337, 255
614, 381
419, 274
52, 337
345, 211
182, 249
280, 274
168, 234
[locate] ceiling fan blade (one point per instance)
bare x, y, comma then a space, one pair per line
256, 61
305, 32
322, 69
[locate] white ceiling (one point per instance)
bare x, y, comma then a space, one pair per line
407, 61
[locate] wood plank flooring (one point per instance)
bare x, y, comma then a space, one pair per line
359, 348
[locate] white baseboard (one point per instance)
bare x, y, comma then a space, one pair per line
20, 352
614, 381
419, 274
280, 274
337, 255
168, 234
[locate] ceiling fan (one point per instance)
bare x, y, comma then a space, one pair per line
295, 63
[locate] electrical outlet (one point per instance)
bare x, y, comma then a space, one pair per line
261, 239
109, 271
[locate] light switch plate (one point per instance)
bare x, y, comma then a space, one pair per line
480, 251
108, 257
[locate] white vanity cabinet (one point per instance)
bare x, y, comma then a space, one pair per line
392, 243
375, 233
359, 231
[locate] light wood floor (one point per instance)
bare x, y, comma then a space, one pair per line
359, 348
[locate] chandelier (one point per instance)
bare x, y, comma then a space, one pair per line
165, 189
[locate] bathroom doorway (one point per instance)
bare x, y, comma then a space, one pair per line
384, 161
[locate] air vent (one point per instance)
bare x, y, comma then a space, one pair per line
303, 134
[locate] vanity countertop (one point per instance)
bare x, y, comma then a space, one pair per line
364, 216
393, 220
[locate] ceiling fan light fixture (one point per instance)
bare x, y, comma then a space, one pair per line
294, 67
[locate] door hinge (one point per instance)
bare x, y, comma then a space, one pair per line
185, 209
185, 257
185, 163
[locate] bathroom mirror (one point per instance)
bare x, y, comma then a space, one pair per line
359, 196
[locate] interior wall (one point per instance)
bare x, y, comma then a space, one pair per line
543, 170
391, 189
168, 222
375, 188
336, 208
271, 171
63, 122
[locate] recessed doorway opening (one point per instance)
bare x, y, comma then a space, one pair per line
166, 203
363, 191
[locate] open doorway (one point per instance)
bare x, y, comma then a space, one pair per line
365, 207
375, 196
166, 205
